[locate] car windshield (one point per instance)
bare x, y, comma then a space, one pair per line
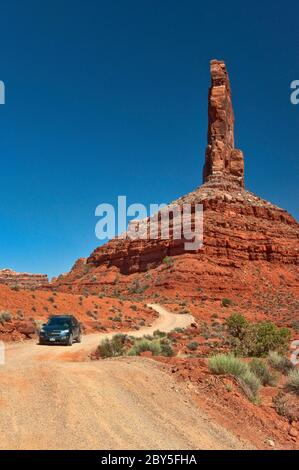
59, 323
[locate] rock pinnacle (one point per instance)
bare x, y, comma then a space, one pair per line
223, 163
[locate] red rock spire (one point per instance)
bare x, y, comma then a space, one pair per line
223, 162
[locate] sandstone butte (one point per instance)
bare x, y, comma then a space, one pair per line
14, 279
249, 244
249, 256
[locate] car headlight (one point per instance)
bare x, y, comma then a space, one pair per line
42, 331
64, 332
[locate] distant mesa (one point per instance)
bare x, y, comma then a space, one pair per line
14, 279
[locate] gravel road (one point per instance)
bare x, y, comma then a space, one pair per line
51, 399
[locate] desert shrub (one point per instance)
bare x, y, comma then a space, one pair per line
292, 383
287, 405
117, 318
178, 330
157, 346
193, 345
262, 371
136, 288
250, 385
113, 347
51, 299
168, 260
260, 338
231, 365
295, 325
236, 325
5, 316
143, 345
166, 349
133, 307
227, 364
279, 362
226, 302
159, 333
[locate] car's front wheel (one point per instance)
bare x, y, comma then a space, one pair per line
70, 340
79, 338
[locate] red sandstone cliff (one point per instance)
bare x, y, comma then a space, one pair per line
22, 280
245, 237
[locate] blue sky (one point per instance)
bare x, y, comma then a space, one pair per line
110, 98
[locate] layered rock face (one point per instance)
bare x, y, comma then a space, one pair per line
223, 162
239, 227
23, 280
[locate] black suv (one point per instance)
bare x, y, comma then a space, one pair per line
62, 329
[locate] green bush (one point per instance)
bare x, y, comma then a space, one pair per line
250, 385
280, 363
260, 369
168, 260
159, 333
226, 302
292, 383
260, 338
227, 364
113, 347
117, 318
158, 347
5, 316
236, 325
166, 349
178, 330
193, 345
143, 345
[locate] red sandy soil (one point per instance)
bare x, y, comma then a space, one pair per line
31, 308
262, 289
222, 399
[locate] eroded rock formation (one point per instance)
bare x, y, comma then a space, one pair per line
22, 280
240, 228
223, 161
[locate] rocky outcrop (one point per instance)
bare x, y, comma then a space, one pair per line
22, 280
223, 162
239, 228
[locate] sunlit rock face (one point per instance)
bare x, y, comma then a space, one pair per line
224, 163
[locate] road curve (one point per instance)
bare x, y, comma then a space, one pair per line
29, 350
49, 402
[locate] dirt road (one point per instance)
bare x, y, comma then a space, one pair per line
49, 399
